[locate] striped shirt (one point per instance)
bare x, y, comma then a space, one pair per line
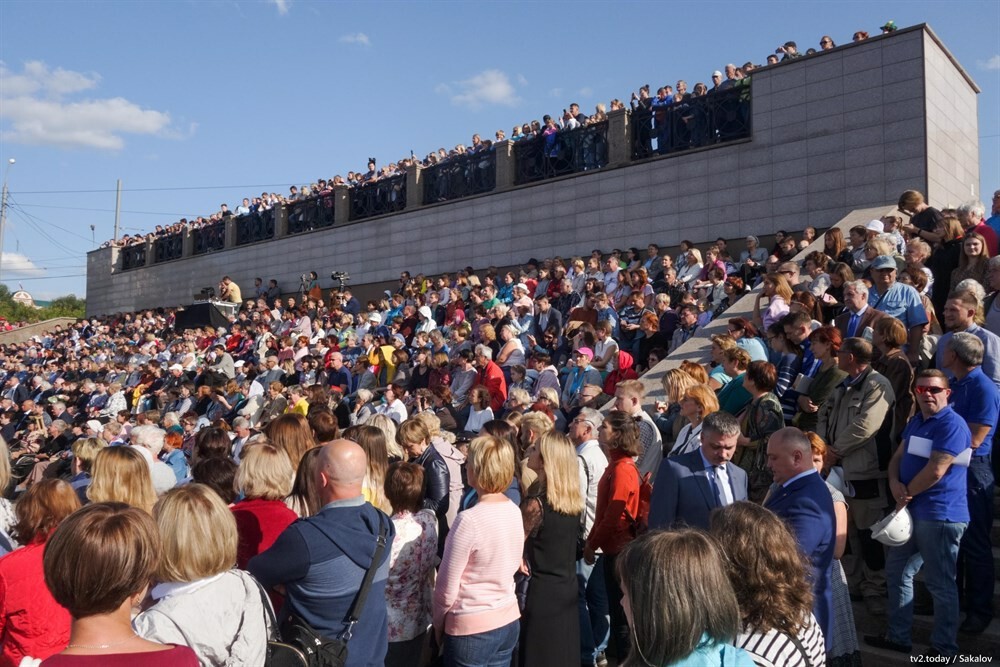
776, 649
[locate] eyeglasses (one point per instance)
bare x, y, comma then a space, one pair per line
924, 389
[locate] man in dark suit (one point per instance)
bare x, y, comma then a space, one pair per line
804, 502
690, 486
857, 315
546, 316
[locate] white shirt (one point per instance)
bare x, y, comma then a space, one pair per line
596, 463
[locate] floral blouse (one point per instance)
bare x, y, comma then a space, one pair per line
409, 590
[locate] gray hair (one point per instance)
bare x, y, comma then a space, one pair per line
721, 423
150, 437
519, 396
858, 286
972, 286
484, 351
58, 424
967, 348
241, 422
364, 395
592, 417
973, 208
170, 419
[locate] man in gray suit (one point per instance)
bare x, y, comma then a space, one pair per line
690, 486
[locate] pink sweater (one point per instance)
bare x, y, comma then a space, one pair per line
475, 585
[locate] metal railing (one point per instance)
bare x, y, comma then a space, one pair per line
209, 238
133, 256
306, 215
166, 248
256, 226
461, 176
386, 195
694, 122
564, 152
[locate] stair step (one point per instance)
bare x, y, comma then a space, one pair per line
985, 644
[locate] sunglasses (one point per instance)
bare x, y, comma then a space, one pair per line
929, 390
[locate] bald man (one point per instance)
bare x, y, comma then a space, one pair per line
321, 560
804, 503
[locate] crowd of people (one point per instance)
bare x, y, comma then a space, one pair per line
549, 127
442, 456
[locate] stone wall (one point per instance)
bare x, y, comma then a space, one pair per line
840, 130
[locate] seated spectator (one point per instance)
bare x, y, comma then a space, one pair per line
778, 293
90, 543
200, 600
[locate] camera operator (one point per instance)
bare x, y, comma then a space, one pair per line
789, 51
230, 291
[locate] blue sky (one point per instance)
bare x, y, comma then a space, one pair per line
193, 104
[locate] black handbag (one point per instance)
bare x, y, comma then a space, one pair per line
279, 654
320, 651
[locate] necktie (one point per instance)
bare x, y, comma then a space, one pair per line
852, 325
722, 481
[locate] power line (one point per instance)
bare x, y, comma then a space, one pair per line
17, 206
103, 210
68, 275
171, 189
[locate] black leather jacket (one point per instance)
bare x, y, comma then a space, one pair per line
438, 481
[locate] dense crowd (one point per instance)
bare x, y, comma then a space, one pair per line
571, 118
448, 441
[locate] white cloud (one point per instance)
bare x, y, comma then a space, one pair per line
586, 91
32, 104
488, 87
16, 265
355, 38
991, 64
521, 81
282, 6
556, 92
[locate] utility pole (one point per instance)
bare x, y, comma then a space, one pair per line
118, 206
3, 210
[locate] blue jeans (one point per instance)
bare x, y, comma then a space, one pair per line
933, 546
493, 648
975, 557
594, 622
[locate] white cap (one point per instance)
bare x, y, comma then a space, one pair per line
875, 226
95, 426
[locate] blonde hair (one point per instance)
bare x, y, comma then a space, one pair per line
198, 532
121, 474
85, 450
675, 382
562, 473
519, 396
550, 395
388, 428
704, 397
538, 422
491, 461
265, 472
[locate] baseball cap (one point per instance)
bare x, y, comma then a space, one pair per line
585, 352
883, 262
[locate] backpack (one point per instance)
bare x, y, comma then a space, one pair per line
640, 523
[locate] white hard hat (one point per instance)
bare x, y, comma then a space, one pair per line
894, 530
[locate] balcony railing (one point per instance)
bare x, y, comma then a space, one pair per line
565, 152
386, 195
209, 238
133, 256
306, 215
695, 122
256, 226
168, 247
462, 176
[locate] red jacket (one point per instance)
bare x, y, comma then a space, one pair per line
492, 378
32, 623
258, 524
617, 492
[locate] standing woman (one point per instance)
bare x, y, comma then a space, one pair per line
415, 440
616, 511
475, 609
972, 263
372, 440
825, 343
679, 602
32, 623
264, 480
697, 402
550, 623
944, 260
103, 538
762, 418
889, 335
776, 290
122, 475
201, 600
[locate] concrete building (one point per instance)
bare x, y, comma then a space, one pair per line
840, 130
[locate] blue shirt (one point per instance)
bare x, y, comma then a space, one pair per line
946, 500
991, 353
977, 400
994, 222
902, 302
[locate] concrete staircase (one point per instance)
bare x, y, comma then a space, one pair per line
981, 649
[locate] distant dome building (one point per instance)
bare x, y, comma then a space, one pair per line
22, 297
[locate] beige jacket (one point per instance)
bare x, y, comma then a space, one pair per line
850, 419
